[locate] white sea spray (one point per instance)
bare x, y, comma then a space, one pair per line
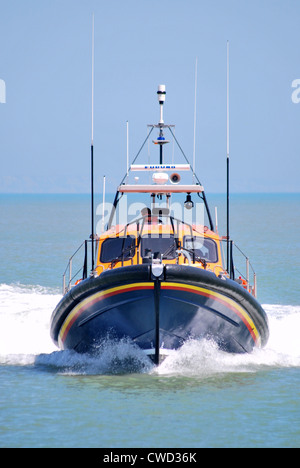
25, 313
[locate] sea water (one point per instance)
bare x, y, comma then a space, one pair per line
199, 397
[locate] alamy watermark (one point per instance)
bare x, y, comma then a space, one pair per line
128, 213
2, 92
296, 93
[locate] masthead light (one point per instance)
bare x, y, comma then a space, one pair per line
161, 93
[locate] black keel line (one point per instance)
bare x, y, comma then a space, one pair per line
157, 320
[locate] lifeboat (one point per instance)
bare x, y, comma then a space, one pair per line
158, 274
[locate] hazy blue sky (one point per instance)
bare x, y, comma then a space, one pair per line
45, 62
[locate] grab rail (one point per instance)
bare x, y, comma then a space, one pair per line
67, 283
244, 278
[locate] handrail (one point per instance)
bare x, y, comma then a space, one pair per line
67, 284
252, 288
191, 257
172, 220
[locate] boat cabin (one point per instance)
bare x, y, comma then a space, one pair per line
164, 239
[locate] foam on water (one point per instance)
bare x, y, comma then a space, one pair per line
25, 313
112, 357
203, 358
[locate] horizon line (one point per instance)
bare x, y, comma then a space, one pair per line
114, 192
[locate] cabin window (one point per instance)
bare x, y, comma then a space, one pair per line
159, 247
202, 247
117, 248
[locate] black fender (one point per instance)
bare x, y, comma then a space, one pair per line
172, 273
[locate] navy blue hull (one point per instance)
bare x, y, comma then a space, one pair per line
159, 314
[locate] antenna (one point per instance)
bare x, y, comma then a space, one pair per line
127, 146
228, 156
216, 218
93, 53
195, 118
103, 204
92, 153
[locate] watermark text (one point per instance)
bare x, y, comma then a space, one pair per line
2, 92
296, 93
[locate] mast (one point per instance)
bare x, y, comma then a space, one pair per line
127, 147
228, 233
92, 156
161, 93
160, 141
195, 119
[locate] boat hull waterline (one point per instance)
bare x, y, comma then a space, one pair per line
159, 313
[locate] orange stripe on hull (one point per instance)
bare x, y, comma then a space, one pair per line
236, 308
90, 301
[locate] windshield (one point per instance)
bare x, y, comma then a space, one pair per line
202, 247
117, 248
164, 247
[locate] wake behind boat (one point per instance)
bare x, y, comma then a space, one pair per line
158, 275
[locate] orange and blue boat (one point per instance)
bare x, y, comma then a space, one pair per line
160, 274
